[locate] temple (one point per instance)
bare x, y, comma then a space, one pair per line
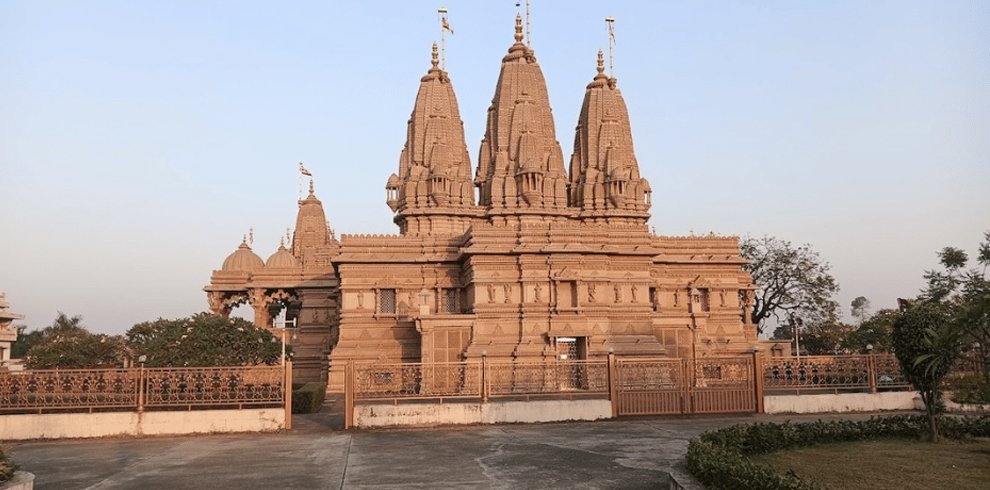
540, 263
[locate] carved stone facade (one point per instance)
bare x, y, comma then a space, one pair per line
8, 332
545, 264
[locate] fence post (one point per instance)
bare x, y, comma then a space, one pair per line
687, 368
871, 366
287, 392
613, 389
141, 390
348, 395
484, 379
758, 379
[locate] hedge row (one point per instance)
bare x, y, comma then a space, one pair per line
719, 458
308, 398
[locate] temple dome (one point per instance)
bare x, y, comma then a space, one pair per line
242, 260
282, 259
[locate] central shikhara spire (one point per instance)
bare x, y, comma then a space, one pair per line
520, 165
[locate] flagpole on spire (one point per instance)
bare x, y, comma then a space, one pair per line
529, 42
302, 172
444, 28
610, 22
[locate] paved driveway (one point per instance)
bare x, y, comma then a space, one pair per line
625, 453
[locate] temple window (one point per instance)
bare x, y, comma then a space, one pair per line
448, 300
705, 300
386, 301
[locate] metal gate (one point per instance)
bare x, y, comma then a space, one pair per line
684, 386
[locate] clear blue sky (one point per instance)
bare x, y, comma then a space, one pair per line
140, 140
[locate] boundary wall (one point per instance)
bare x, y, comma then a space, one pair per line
104, 424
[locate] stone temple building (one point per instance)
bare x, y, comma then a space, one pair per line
542, 261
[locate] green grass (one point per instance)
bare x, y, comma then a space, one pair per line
889, 463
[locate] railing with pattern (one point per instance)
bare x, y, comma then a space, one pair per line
543, 378
141, 389
69, 389
396, 381
212, 386
478, 380
854, 372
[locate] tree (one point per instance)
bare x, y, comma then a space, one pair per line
942, 284
790, 280
875, 332
67, 344
966, 295
860, 308
25, 341
203, 340
926, 347
825, 338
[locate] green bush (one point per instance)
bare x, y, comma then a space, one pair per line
719, 458
308, 398
970, 389
7, 467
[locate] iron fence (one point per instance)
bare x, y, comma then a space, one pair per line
546, 378
75, 390
833, 373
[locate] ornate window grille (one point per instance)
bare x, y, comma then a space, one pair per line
386, 301
448, 300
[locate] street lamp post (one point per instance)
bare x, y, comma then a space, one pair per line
796, 324
282, 324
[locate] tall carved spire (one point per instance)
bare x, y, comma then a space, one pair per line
432, 192
520, 164
312, 242
605, 179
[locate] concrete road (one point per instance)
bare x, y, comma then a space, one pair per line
625, 453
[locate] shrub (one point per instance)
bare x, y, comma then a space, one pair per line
719, 458
7, 467
970, 389
203, 340
308, 398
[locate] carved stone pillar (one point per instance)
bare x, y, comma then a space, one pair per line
259, 301
218, 303
748, 297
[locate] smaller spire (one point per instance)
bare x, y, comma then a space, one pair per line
281, 243
519, 28
601, 62
436, 58
312, 193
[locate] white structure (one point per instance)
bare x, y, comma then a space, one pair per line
8, 333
